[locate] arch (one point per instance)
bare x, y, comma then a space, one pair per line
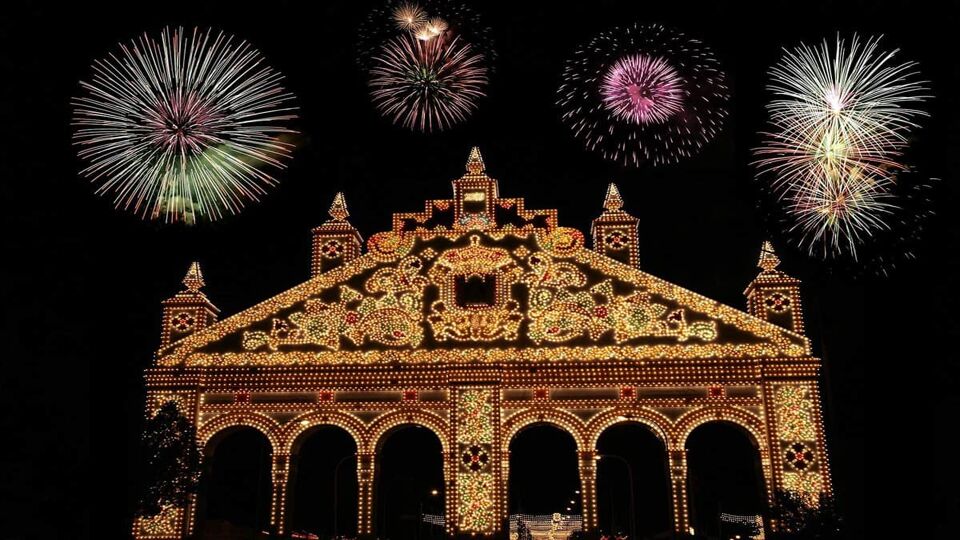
411, 475
745, 420
380, 427
236, 488
659, 424
322, 482
559, 418
293, 432
543, 471
633, 489
726, 465
219, 424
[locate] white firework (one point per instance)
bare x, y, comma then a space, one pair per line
184, 126
838, 127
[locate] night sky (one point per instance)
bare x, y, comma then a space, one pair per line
83, 283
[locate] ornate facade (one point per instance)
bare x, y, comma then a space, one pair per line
475, 318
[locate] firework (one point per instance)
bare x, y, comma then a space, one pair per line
427, 85
183, 127
437, 26
409, 16
642, 90
425, 20
896, 221
643, 94
838, 127
835, 210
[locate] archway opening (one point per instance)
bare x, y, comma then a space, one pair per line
724, 476
544, 481
409, 493
322, 495
633, 458
235, 487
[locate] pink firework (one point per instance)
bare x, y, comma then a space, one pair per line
642, 89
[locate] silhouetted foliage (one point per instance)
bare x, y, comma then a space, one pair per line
171, 467
799, 519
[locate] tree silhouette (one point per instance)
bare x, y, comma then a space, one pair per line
801, 519
171, 461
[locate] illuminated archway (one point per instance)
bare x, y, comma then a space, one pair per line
225, 423
724, 475
235, 488
409, 482
322, 486
633, 457
544, 475
293, 431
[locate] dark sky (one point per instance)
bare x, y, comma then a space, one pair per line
83, 283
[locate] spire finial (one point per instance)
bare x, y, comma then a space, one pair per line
613, 201
768, 258
338, 210
475, 161
193, 281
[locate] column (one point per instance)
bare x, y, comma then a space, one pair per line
365, 472
505, 489
588, 489
678, 487
474, 463
278, 506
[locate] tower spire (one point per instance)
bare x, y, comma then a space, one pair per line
768, 257
193, 281
475, 161
613, 201
615, 232
773, 295
189, 310
335, 241
338, 209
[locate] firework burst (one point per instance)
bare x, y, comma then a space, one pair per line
427, 85
182, 127
838, 127
643, 94
409, 16
425, 20
642, 90
836, 209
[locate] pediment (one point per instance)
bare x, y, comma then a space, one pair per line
482, 294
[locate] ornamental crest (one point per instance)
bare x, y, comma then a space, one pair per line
476, 303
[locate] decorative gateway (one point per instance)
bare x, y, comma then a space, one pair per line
462, 300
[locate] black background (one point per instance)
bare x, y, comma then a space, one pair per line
82, 283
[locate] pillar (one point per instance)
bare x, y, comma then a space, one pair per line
365, 471
588, 489
505, 488
278, 505
678, 489
471, 467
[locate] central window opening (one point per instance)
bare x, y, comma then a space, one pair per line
475, 202
476, 291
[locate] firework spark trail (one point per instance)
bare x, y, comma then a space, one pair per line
839, 125
427, 85
633, 116
182, 126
